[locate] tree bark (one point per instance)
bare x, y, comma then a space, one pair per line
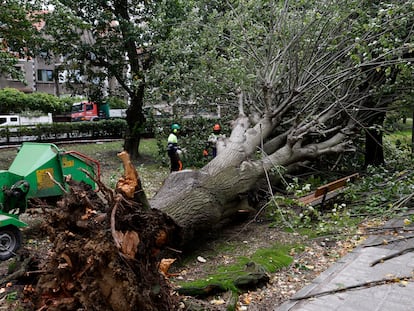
135, 119
203, 201
138, 62
374, 150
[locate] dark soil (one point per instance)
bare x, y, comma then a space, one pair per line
317, 257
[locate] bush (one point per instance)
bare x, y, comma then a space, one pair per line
61, 131
42, 102
12, 101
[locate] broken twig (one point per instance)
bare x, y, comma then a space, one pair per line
390, 241
57, 183
356, 286
402, 252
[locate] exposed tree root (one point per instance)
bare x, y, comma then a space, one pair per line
107, 250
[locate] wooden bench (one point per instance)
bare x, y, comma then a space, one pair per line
327, 191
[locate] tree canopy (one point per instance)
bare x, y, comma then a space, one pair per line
283, 47
316, 66
335, 64
313, 76
102, 41
17, 35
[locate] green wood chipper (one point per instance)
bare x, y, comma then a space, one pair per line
38, 171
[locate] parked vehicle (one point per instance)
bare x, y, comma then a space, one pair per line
33, 174
18, 120
90, 111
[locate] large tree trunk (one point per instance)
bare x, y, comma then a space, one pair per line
135, 120
139, 61
374, 150
203, 201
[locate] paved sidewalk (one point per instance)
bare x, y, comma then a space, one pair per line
355, 269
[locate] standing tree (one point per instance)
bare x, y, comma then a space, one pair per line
105, 40
17, 35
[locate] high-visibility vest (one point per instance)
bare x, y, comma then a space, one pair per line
172, 139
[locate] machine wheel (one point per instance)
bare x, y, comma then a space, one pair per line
10, 241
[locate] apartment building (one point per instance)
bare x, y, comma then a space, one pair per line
39, 76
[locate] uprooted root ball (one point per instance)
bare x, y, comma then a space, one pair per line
86, 270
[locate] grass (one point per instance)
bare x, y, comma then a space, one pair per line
403, 135
264, 260
151, 171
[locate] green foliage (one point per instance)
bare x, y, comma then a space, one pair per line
399, 133
192, 138
305, 53
14, 101
42, 102
12, 296
17, 33
381, 192
116, 102
42, 132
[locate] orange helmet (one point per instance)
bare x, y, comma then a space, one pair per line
216, 127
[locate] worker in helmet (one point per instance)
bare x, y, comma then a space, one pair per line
173, 150
212, 141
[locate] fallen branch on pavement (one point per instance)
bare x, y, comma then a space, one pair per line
385, 242
351, 287
399, 253
394, 228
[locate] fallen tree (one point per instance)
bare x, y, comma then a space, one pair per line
108, 252
305, 98
312, 100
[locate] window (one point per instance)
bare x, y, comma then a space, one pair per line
44, 75
8, 120
77, 107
